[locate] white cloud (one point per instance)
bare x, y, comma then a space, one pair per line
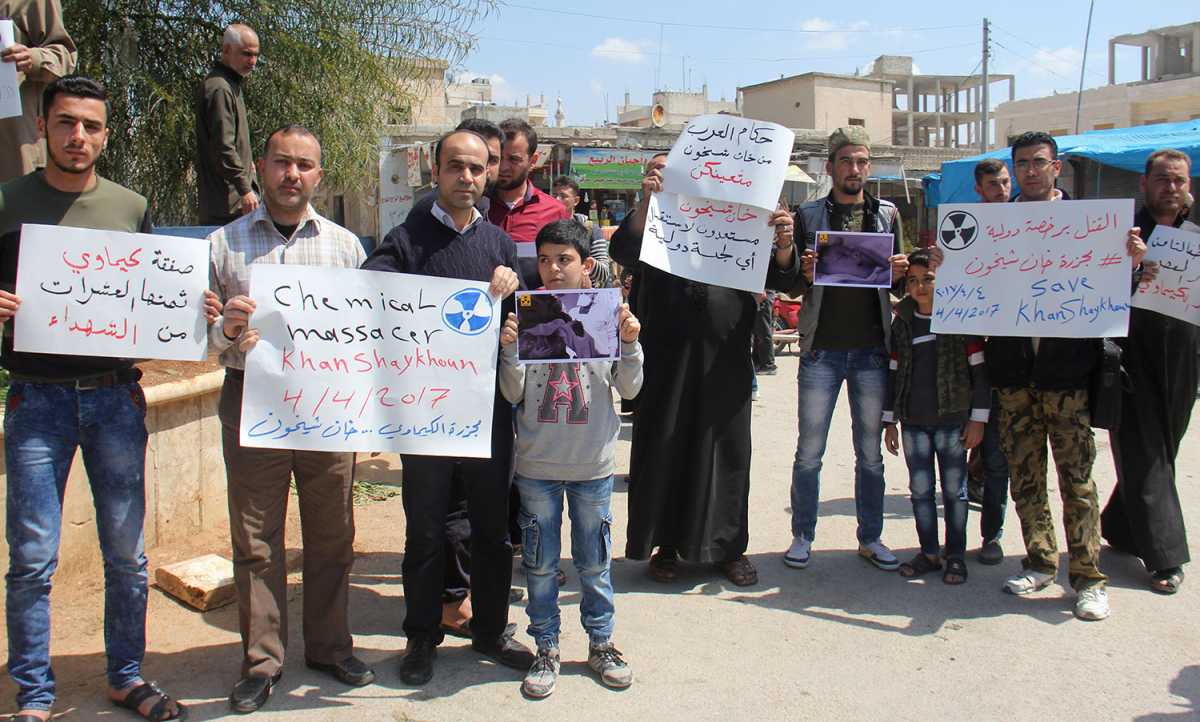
821, 34
621, 50
1063, 62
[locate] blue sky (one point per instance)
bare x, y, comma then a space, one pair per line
582, 51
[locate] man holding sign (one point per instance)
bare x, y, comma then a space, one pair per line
844, 332
38, 52
1143, 516
58, 403
1042, 385
283, 230
453, 240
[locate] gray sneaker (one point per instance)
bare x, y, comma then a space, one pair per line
606, 660
543, 675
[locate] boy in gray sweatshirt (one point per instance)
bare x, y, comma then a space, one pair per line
566, 439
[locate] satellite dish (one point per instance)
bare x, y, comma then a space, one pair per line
658, 115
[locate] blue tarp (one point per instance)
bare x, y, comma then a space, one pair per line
1125, 148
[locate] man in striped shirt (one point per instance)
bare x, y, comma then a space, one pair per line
284, 229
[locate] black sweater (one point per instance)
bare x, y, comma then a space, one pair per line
425, 246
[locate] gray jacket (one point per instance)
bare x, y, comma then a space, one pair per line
879, 216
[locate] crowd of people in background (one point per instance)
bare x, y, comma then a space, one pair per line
936, 396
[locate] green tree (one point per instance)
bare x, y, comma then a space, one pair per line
337, 66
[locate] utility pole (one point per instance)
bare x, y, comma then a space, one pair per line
984, 121
1083, 67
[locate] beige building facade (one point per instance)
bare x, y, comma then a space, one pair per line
822, 101
1168, 90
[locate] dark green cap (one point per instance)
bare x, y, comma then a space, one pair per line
848, 135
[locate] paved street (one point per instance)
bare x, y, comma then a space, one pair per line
839, 640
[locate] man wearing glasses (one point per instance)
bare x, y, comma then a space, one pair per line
844, 335
1042, 391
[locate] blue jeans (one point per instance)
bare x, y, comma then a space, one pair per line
43, 426
591, 550
820, 380
995, 479
921, 443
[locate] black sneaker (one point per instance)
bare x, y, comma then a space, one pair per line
416, 668
505, 650
542, 675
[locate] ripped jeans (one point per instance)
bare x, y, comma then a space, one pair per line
591, 550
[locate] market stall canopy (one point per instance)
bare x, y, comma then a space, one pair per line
796, 175
1124, 148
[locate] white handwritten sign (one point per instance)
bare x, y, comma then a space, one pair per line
370, 361
105, 293
1174, 291
728, 158
717, 242
1053, 268
395, 195
10, 89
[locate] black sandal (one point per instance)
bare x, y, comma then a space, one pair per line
664, 565
955, 567
919, 566
740, 571
144, 691
1166, 581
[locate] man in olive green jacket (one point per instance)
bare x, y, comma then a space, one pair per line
43, 52
227, 187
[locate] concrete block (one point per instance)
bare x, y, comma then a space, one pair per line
206, 582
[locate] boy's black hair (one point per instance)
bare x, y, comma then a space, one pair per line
569, 232
77, 86
920, 257
568, 181
1035, 137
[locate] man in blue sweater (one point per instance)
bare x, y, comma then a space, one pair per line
453, 240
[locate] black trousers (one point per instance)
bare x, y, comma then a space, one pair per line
762, 350
428, 493
457, 583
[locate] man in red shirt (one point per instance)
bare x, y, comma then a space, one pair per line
518, 207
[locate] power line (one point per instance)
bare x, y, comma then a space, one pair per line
741, 59
1029, 60
1038, 48
695, 26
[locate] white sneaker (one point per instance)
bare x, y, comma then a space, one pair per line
1092, 603
754, 395
1027, 581
879, 555
798, 553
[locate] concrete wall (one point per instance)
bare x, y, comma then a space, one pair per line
823, 103
1115, 106
185, 477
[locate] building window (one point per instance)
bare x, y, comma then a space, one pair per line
1102, 126
1058, 131
1155, 121
856, 121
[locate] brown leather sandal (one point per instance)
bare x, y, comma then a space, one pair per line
740, 571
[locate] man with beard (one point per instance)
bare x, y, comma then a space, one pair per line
690, 460
284, 229
453, 240
1143, 517
844, 336
519, 208
57, 403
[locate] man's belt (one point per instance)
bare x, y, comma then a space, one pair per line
85, 383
